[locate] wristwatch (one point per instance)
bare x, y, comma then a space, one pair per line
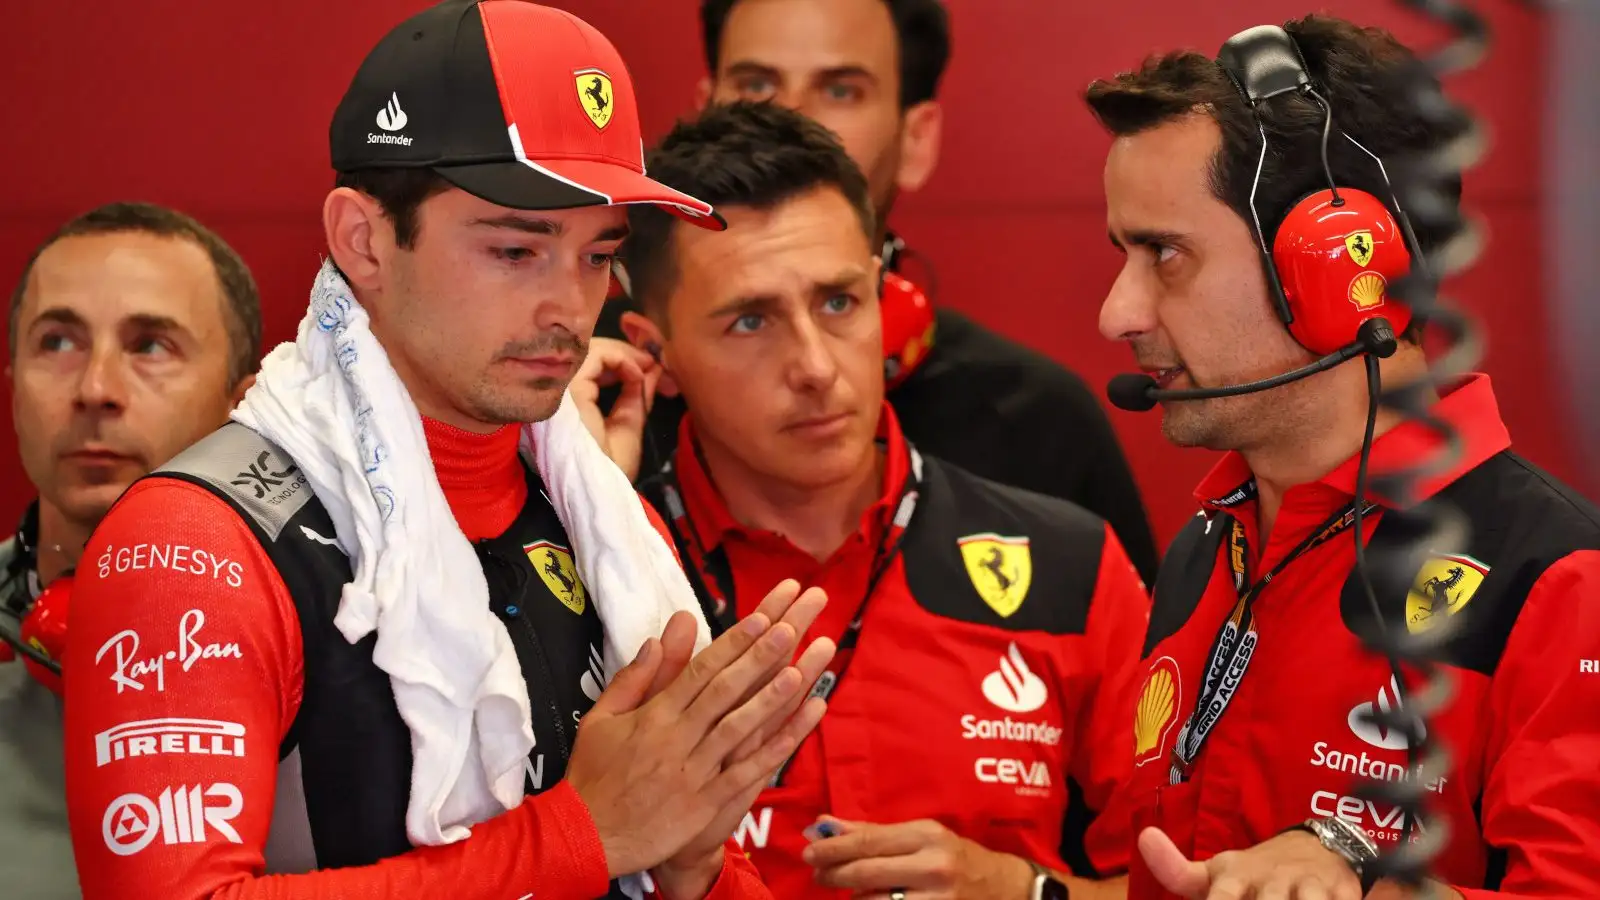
1045, 885
1350, 843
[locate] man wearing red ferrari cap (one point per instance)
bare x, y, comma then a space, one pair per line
245, 716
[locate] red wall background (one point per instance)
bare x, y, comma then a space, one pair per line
221, 110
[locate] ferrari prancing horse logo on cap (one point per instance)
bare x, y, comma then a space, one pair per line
595, 95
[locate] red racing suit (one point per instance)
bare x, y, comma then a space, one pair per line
991, 679
1522, 793
192, 677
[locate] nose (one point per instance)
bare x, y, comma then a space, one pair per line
1129, 309
813, 367
102, 385
565, 302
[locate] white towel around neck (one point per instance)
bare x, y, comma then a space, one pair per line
332, 401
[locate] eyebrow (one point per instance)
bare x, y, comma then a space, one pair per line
754, 303
1145, 238
61, 315
833, 73
546, 227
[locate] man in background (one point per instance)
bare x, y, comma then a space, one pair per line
133, 331
978, 713
869, 71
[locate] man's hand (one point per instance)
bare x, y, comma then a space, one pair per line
1293, 865
925, 859
657, 774
620, 434
703, 854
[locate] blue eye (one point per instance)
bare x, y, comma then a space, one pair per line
746, 323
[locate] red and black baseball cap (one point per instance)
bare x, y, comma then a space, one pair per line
522, 105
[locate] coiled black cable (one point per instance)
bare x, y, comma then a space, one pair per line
1425, 187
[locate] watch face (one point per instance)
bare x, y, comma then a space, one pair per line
1054, 890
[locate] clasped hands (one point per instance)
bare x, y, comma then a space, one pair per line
679, 745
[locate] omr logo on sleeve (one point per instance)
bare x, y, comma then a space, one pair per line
149, 737
133, 821
1157, 710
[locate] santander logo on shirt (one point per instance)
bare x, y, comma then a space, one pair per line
1014, 687
1371, 732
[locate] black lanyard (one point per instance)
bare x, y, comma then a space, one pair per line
1236, 641
718, 583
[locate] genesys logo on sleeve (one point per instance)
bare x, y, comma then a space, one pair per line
150, 737
180, 558
189, 814
134, 669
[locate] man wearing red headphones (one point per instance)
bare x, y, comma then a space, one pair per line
869, 70
1262, 239
988, 635
133, 331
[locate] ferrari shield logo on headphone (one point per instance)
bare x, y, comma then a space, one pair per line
1359, 246
594, 94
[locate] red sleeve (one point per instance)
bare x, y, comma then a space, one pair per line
1119, 616
186, 671
1542, 787
661, 528
738, 880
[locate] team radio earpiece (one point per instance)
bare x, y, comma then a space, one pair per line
908, 326
38, 631
1330, 261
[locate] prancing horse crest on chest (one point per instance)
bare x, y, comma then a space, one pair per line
559, 573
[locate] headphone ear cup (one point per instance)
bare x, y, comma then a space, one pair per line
44, 628
1336, 263
908, 322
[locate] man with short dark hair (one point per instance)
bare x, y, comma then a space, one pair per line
869, 70
399, 629
1261, 708
978, 722
133, 330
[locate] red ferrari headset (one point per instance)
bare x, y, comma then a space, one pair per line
908, 320
34, 625
1331, 260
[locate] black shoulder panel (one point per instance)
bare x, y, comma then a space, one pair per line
986, 553
1184, 574
1520, 521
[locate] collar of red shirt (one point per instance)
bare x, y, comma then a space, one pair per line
1470, 408
709, 515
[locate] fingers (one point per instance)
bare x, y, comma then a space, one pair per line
630, 687
677, 648
741, 776
736, 727
812, 663
804, 610
866, 842
1312, 890
885, 873
632, 403
729, 688
1170, 867
779, 599
707, 665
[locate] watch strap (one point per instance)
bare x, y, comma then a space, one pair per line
1046, 886
1340, 838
